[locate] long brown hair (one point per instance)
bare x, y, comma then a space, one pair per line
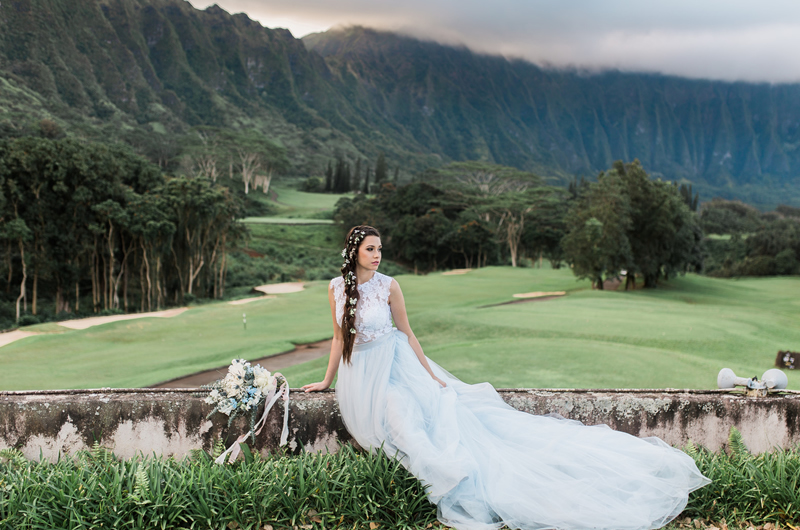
355, 237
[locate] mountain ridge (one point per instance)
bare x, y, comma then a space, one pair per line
593, 113
148, 71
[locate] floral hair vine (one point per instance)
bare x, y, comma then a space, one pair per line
352, 241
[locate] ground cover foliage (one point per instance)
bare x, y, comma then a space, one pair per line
348, 489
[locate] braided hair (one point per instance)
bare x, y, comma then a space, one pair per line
355, 237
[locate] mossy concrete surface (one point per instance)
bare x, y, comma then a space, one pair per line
173, 422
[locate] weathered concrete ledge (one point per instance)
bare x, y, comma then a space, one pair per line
173, 421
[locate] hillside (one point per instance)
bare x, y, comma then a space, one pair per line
142, 71
146, 71
729, 138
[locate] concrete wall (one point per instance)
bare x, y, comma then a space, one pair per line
173, 422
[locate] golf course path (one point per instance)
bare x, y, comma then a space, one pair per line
248, 300
280, 288
84, 323
456, 272
274, 363
12, 336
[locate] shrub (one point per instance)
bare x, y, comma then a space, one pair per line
313, 185
28, 320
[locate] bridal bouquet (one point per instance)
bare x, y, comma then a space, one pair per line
243, 389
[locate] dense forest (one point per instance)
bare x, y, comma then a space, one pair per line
622, 224
95, 228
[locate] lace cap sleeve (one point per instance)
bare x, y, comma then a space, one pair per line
337, 284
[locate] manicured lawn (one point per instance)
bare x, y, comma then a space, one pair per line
286, 221
676, 336
293, 203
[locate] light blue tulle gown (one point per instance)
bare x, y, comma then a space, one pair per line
486, 464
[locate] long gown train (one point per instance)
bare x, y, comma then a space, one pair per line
487, 465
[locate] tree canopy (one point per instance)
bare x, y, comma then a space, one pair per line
626, 221
83, 217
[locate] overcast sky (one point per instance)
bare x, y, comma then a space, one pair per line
731, 40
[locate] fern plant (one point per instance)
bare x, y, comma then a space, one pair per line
141, 488
738, 448
13, 457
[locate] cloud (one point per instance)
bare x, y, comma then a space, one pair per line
731, 40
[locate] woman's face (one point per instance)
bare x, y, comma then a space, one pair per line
369, 253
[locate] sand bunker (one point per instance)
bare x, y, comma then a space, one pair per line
248, 300
539, 294
456, 271
280, 288
84, 323
11, 336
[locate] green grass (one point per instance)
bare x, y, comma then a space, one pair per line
286, 221
677, 336
347, 489
292, 203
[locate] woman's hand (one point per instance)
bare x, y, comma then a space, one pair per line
440, 381
314, 387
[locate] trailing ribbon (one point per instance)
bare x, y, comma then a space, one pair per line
270, 400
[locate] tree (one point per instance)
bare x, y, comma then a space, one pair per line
596, 243
17, 233
365, 189
419, 239
203, 214
546, 227
381, 169
207, 160
686, 195
508, 212
482, 179
341, 177
355, 179
628, 221
329, 178
473, 238
663, 236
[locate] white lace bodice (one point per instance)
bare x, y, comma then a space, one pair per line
373, 315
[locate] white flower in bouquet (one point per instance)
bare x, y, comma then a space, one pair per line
238, 368
227, 406
213, 397
263, 380
233, 386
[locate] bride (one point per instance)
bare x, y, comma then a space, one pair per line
484, 463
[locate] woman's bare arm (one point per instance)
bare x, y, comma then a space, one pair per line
336, 351
398, 307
